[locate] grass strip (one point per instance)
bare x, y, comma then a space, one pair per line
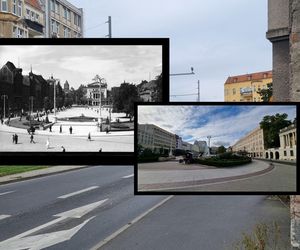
11, 169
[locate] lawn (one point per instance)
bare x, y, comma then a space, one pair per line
7, 170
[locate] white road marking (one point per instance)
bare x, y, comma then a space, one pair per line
3, 216
18, 241
122, 229
77, 192
127, 176
6, 193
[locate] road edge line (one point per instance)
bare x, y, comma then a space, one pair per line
125, 227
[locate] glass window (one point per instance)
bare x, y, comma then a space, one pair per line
15, 7
28, 13
57, 7
69, 15
233, 91
19, 8
52, 25
292, 153
32, 16
65, 12
4, 5
65, 31
37, 17
52, 5
57, 27
79, 21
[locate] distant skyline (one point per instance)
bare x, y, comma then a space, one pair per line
217, 38
226, 124
79, 64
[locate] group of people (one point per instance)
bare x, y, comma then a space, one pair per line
15, 138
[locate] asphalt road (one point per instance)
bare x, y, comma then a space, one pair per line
31, 211
80, 209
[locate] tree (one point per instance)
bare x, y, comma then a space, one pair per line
80, 95
267, 93
159, 83
271, 126
221, 150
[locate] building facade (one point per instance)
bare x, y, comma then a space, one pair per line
93, 94
253, 143
288, 145
12, 16
62, 19
284, 33
155, 138
34, 18
243, 88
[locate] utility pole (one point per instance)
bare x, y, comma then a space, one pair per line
198, 91
4, 97
109, 26
54, 87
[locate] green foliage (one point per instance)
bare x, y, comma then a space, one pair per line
178, 152
223, 162
271, 126
221, 150
267, 93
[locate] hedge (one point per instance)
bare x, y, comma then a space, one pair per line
223, 163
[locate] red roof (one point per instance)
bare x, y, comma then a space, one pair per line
34, 3
249, 77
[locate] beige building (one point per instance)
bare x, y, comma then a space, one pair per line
12, 22
62, 19
155, 138
34, 18
252, 143
288, 145
244, 88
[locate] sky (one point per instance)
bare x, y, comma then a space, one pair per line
79, 64
217, 38
225, 123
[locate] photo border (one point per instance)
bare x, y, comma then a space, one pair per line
176, 192
85, 158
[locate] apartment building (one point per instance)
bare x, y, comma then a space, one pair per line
244, 88
12, 19
34, 18
62, 19
155, 138
253, 143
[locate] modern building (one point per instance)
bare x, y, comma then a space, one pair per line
252, 143
34, 18
12, 19
93, 93
62, 19
244, 88
155, 138
178, 142
284, 33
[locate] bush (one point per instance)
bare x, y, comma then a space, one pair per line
214, 161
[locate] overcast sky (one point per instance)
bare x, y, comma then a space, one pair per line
80, 64
217, 38
226, 124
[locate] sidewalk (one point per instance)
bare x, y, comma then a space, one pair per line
38, 173
196, 174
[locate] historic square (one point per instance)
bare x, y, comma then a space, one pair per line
75, 98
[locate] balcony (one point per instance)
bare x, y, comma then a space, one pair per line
246, 92
35, 27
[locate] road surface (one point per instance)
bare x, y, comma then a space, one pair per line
84, 208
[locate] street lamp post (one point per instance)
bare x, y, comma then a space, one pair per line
4, 97
184, 74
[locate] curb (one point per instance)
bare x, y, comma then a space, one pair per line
41, 175
185, 184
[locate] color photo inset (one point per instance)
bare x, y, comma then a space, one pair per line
216, 148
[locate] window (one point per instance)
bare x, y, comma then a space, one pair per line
19, 8
27, 13
37, 17
4, 5
65, 31
52, 5
14, 7
292, 153
32, 16
79, 21
75, 19
52, 25
65, 12
57, 8
233, 91
284, 153
57, 27
69, 35
19, 33
69, 15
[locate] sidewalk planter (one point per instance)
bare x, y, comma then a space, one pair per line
223, 162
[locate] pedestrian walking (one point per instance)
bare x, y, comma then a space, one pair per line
50, 128
31, 139
89, 136
106, 130
48, 143
16, 139
60, 129
13, 138
70, 129
63, 149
